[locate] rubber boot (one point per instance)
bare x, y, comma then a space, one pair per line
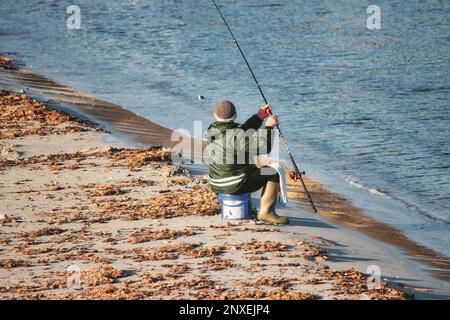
269, 197
253, 211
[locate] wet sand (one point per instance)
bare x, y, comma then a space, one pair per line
113, 117
339, 210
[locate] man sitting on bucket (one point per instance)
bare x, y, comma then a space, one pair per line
232, 149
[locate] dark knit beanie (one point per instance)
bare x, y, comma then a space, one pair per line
224, 111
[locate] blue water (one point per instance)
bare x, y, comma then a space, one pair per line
365, 111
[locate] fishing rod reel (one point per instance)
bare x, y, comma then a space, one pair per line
296, 175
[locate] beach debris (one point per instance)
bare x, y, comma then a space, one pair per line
256, 257
255, 268
11, 263
282, 283
260, 294
353, 282
124, 291
257, 247
204, 252
199, 282
410, 291
53, 186
158, 277
290, 295
195, 201
105, 274
8, 151
310, 251
181, 181
46, 231
311, 281
141, 157
106, 190
169, 204
148, 235
322, 240
215, 263
172, 170
21, 116
113, 150
167, 252
240, 228
200, 97
177, 269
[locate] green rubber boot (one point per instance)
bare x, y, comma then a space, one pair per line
269, 197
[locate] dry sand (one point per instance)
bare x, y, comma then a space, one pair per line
138, 227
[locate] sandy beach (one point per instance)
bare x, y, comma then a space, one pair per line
106, 185
86, 216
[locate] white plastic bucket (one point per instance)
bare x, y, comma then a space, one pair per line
234, 207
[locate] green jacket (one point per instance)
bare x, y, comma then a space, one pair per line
231, 149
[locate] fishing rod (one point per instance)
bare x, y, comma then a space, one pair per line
298, 173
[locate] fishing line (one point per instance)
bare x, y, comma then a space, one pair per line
298, 173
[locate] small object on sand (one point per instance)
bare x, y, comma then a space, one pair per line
201, 97
107, 190
3, 217
171, 171
8, 151
114, 150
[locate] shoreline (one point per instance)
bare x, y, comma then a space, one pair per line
140, 131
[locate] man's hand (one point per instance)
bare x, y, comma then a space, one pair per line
272, 121
264, 111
